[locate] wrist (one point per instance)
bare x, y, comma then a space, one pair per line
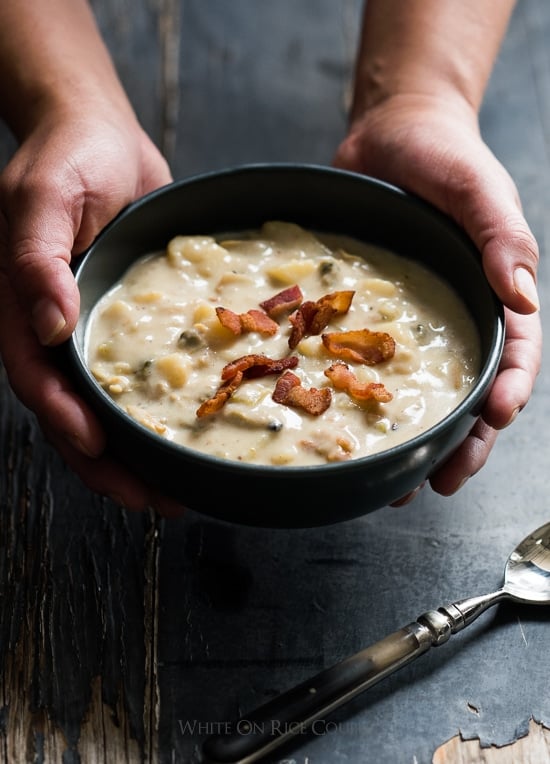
412, 107
66, 67
373, 90
428, 49
41, 103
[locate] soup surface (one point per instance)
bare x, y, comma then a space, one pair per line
282, 347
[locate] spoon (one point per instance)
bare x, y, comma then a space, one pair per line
526, 580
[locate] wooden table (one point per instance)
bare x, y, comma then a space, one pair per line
125, 638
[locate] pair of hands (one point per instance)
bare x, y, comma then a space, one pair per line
73, 173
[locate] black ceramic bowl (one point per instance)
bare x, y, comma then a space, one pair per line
318, 198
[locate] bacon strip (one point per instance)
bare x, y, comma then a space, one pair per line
221, 396
361, 346
258, 365
258, 321
284, 385
251, 321
300, 320
289, 392
312, 317
339, 301
229, 320
344, 379
235, 372
283, 301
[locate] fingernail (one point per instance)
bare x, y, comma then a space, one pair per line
408, 497
47, 320
525, 286
514, 415
461, 484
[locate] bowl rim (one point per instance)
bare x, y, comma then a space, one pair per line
469, 403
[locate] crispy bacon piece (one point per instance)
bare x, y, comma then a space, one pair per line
258, 365
339, 301
235, 372
312, 317
289, 392
221, 396
361, 346
251, 321
343, 378
300, 320
283, 302
229, 320
284, 385
258, 321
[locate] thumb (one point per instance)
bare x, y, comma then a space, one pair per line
484, 200
510, 259
39, 240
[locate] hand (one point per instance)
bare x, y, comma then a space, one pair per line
74, 171
432, 148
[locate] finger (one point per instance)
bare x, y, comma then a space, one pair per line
468, 459
38, 383
66, 420
56, 204
466, 181
518, 370
38, 236
108, 477
510, 393
103, 475
477, 191
509, 250
408, 497
165, 506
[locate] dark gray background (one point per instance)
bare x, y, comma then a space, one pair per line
194, 621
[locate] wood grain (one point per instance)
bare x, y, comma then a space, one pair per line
78, 587
532, 749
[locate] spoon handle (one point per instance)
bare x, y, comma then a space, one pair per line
305, 706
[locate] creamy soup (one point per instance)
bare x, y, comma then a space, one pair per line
282, 347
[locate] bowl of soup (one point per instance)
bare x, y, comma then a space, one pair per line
284, 345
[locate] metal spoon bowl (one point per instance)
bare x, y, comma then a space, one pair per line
526, 580
527, 572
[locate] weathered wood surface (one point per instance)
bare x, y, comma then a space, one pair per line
534, 748
124, 638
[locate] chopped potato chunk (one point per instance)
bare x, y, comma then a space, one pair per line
174, 369
292, 272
